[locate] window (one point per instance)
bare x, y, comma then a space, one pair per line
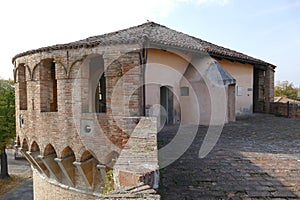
53, 84
184, 91
48, 87
21, 121
101, 95
22, 87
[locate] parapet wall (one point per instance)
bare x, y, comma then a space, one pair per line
285, 109
43, 189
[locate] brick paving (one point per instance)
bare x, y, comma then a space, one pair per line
257, 157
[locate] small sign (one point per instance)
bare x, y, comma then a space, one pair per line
239, 91
250, 89
184, 91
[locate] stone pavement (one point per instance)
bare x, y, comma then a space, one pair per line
257, 157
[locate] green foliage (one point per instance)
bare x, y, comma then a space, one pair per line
109, 184
7, 112
286, 90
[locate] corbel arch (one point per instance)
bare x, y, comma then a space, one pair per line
34, 147
18, 143
25, 144
67, 152
48, 150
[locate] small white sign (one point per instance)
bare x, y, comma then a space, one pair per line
239, 91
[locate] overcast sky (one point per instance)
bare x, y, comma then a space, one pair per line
268, 29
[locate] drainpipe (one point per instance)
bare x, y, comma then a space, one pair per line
144, 59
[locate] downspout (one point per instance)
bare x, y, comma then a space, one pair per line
144, 59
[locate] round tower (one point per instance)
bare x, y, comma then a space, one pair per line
79, 113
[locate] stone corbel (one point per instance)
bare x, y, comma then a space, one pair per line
31, 161
64, 165
37, 161
52, 166
84, 171
102, 170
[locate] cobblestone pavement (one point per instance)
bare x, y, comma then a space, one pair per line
257, 157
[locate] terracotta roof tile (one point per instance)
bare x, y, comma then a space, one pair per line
157, 34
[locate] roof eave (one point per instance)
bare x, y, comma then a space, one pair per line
241, 60
195, 51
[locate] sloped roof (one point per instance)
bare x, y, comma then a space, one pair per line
285, 100
156, 34
225, 76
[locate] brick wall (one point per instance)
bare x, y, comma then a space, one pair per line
40, 126
284, 109
46, 190
258, 93
59, 128
263, 89
269, 89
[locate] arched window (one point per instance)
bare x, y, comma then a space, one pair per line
97, 84
21, 79
100, 95
48, 86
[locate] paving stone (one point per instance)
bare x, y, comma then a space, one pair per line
255, 158
259, 193
284, 193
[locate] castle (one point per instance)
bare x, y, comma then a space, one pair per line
88, 112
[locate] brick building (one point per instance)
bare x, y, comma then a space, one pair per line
88, 112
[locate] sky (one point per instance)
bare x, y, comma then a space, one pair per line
268, 29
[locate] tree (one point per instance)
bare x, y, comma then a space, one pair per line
286, 89
7, 121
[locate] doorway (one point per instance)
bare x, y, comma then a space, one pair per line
166, 102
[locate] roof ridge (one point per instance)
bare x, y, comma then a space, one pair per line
111, 33
157, 34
